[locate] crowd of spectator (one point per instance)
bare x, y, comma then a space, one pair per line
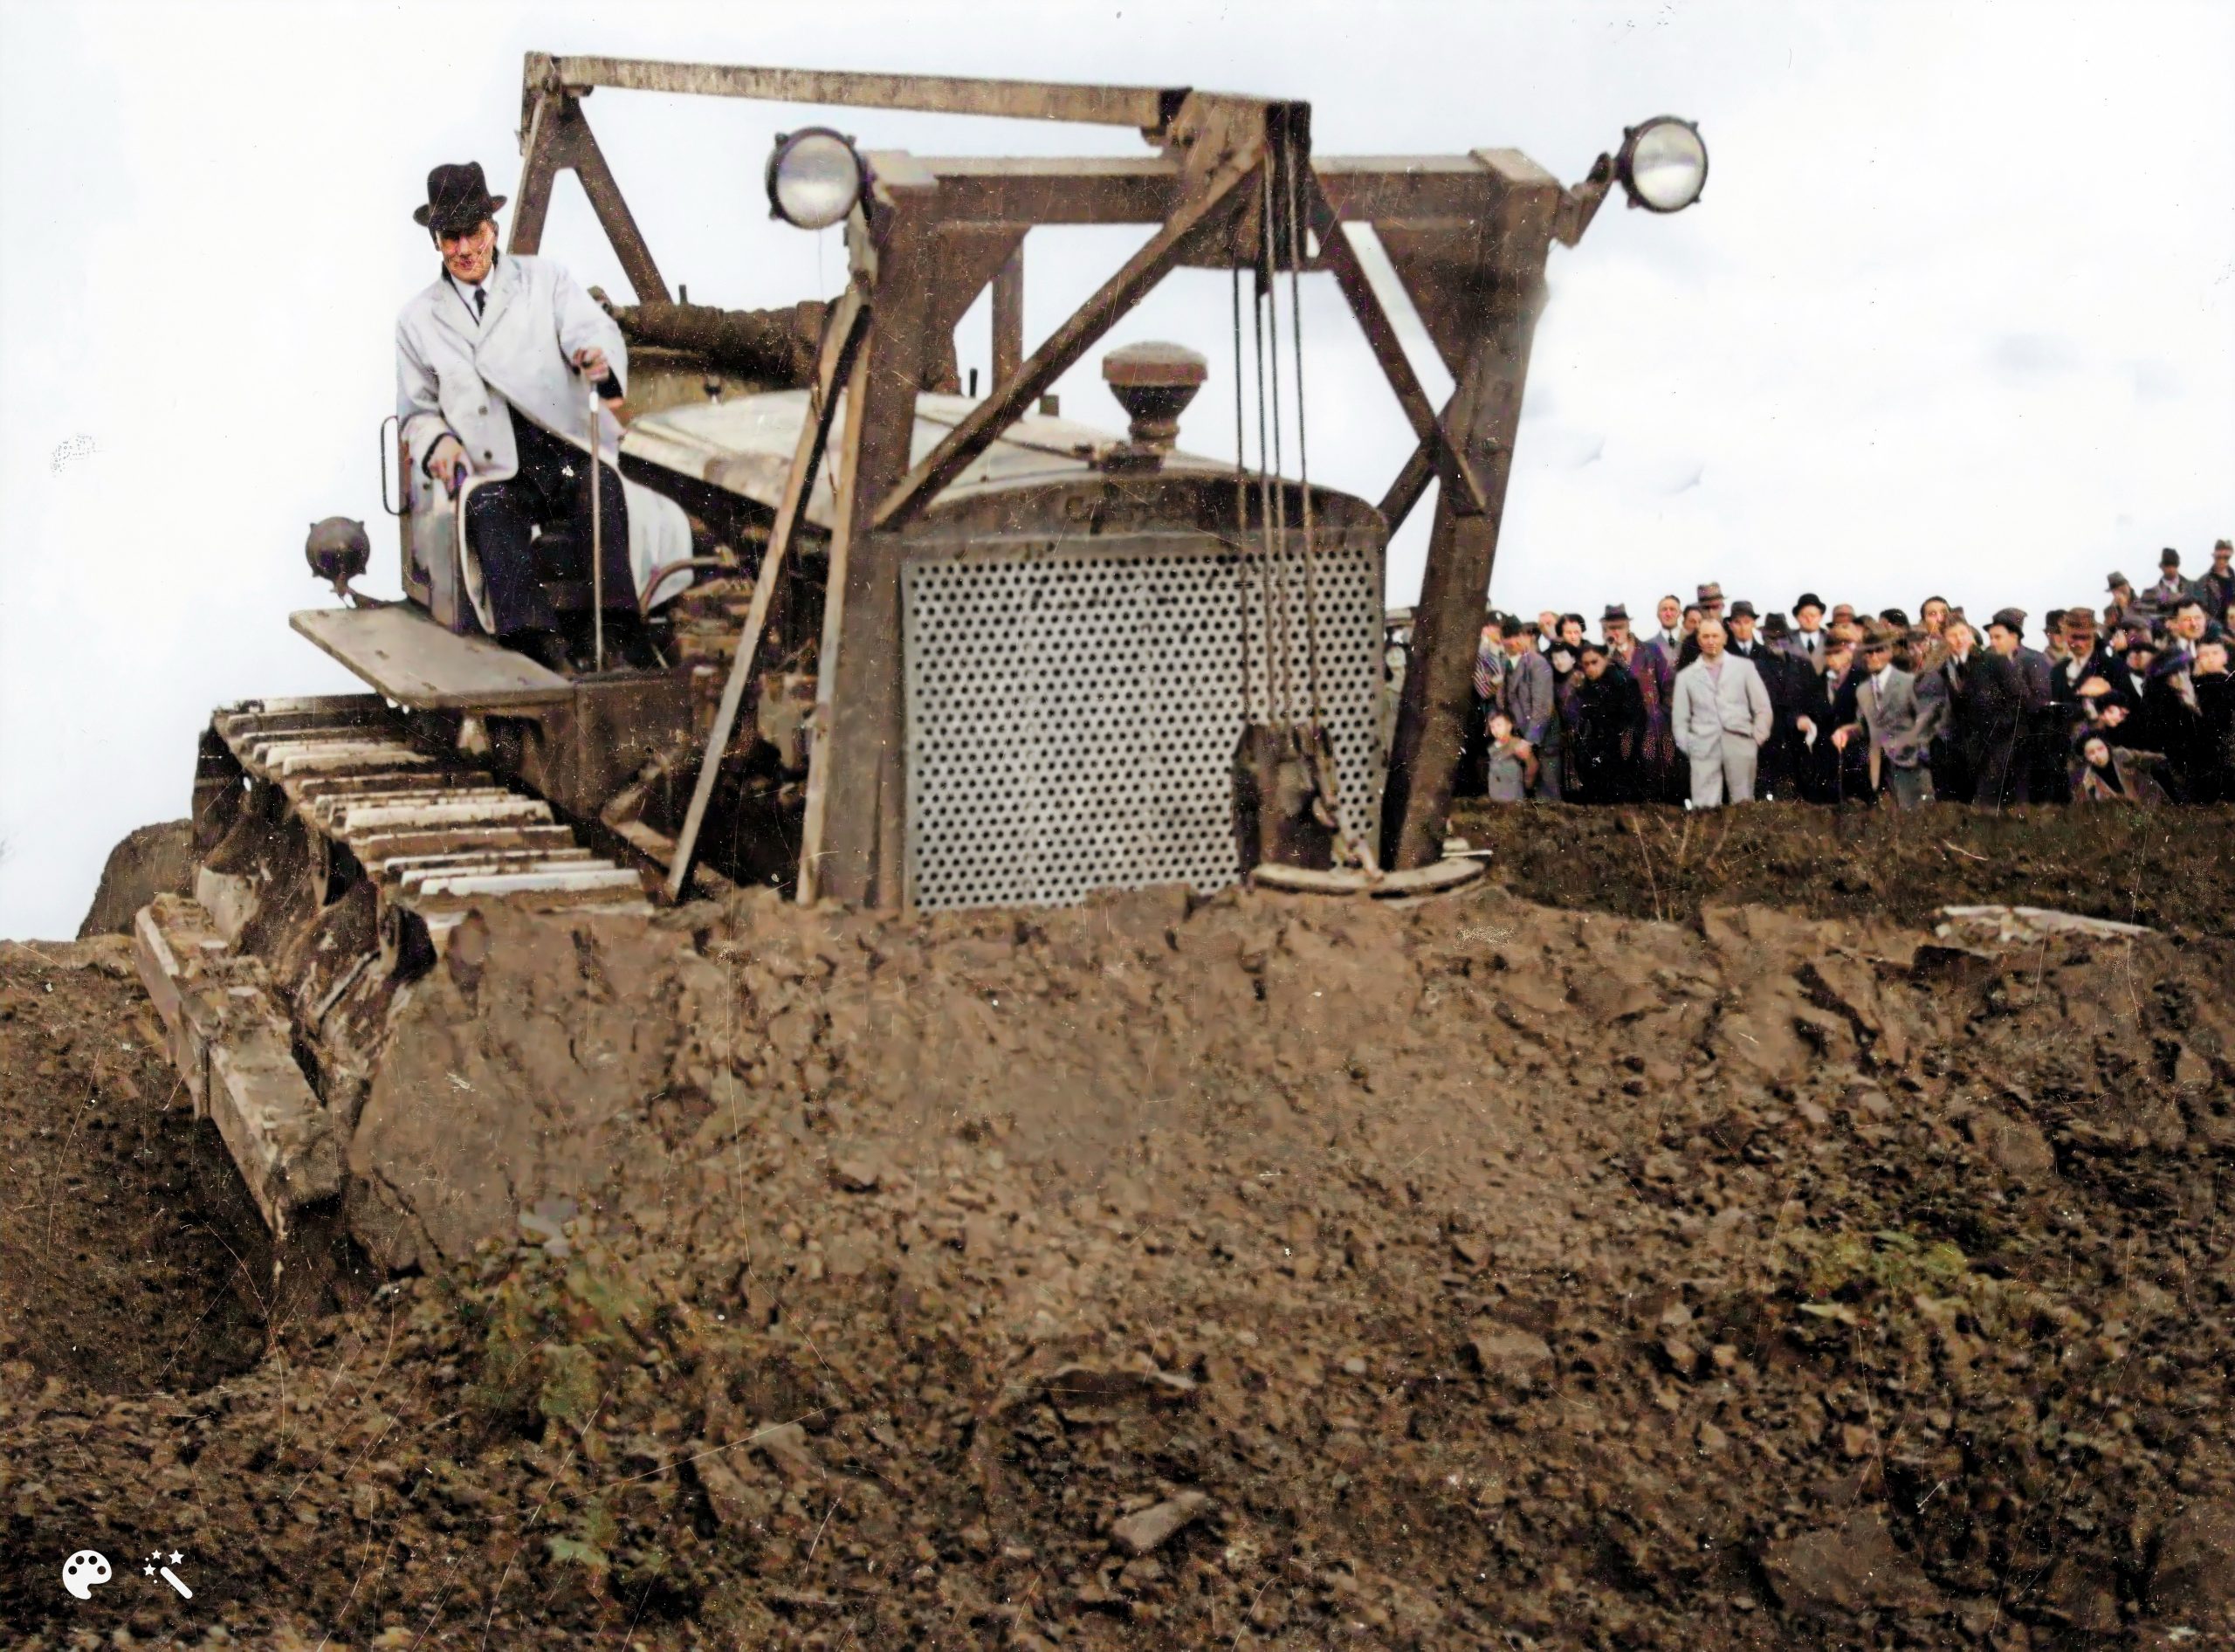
2131, 704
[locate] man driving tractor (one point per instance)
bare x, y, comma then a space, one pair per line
494, 364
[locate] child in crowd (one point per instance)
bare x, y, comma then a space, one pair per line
1510, 767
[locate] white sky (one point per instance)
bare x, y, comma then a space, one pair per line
1957, 313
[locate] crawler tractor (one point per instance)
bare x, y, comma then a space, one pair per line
927, 649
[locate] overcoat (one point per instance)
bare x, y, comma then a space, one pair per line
463, 373
456, 372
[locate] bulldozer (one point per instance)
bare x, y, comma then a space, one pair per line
926, 648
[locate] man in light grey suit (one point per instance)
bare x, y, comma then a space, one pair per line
1898, 725
1721, 716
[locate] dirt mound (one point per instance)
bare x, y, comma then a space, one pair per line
128, 1255
152, 861
1269, 1272
2171, 869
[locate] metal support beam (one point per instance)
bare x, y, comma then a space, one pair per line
852, 840
1008, 318
1410, 483
558, 138
836, 363
1148, 108
1381, 338
1488, 306
1069, 341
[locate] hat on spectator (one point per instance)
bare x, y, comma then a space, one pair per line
1710, 593
2118, 582
1742, 609
1895, 617
1776, 628
1877, 635
1615, 612
2077, 620
2169, 558
2010, 619
2218, 545
1807, 599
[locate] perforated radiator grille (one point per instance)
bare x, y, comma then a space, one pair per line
1072, 714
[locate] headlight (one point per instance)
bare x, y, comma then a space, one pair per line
814, 178
1663, 165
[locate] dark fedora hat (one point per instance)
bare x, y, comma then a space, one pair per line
1615, 611
1742, 609
1808, 598
458, 199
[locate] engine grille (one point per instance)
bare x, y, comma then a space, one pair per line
1072, 712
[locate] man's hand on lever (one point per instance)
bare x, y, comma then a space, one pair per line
594, 366
446, 463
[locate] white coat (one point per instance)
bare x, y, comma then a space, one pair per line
1705, 708
458, 374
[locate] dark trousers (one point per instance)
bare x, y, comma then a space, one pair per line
1999, 775
549, 492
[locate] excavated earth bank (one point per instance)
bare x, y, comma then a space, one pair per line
1256, 1272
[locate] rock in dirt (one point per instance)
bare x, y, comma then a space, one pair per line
2015, 1145
784, 1445
1854, 1567
856, 1174
2194, 1578
1508, 1354
1154, 1527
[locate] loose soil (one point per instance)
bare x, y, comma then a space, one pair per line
129, 1253
1254, 1272
2172, 869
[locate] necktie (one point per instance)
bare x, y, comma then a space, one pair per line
480, 301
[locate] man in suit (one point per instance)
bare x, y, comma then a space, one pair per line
2171, 590
2081, 680
1889, 716
1490, 668
1655, 677
492, 360
2218, 582
1828, 703
1709, 607
1530, 702
1808, 637
1669, 641
2039, 771
1930, 648
1954, 745
1721, 715
1991, 707
2119, 609
1787, 674
2172, 709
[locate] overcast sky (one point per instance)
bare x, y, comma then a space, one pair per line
1957, 313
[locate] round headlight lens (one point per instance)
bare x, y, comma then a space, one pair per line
814, 178
1663, 165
